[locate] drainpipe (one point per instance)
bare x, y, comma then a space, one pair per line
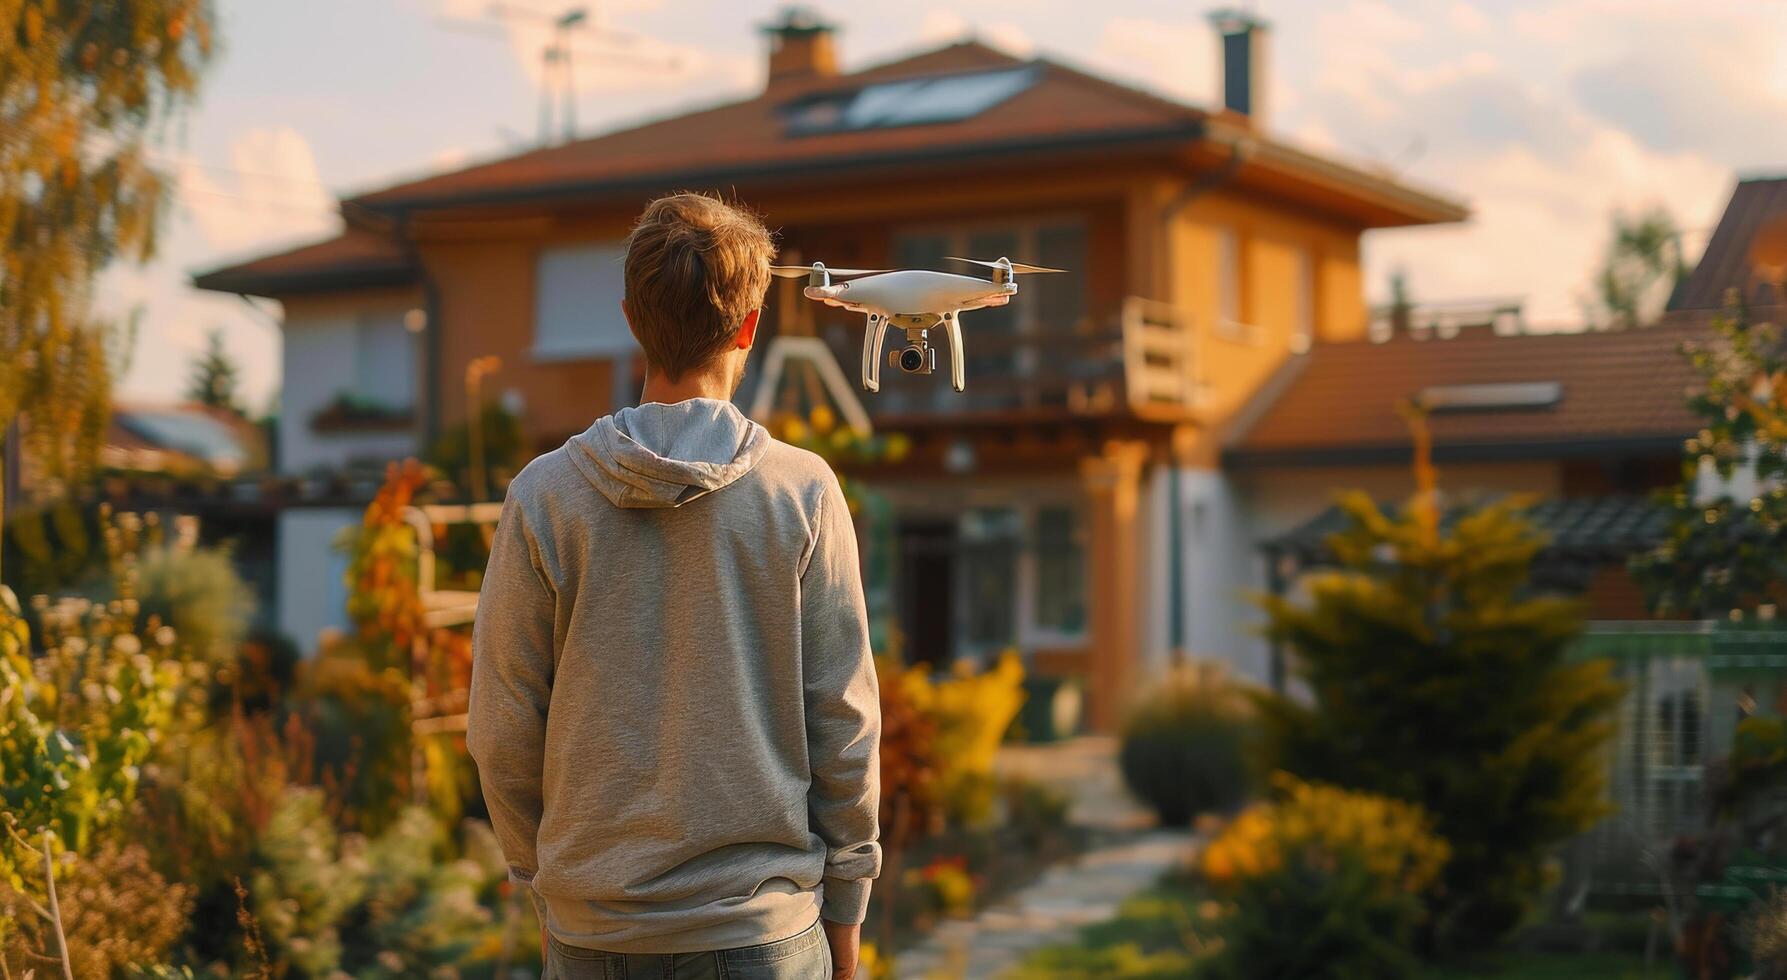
431, 332
1240, 149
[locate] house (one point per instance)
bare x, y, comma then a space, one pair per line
1589, 424
1036, 509
183, 440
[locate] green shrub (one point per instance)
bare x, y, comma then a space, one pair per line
1763, 932
1437, 675
1322, 884
199, 594
1185, 748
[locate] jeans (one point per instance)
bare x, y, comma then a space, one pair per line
803, 956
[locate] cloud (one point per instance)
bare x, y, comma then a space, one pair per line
1542, 220
1174, 58
269, 191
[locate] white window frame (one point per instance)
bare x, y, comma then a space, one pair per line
1030, 635
367, 373
614, 340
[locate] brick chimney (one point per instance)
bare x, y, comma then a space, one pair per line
801, 47
1243, 62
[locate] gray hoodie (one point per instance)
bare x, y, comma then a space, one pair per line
673, 708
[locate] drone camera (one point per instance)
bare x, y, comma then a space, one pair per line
914, 359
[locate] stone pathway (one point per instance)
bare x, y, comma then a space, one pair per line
1129, 857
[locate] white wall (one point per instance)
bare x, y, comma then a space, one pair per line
366, 352
311, 595
1220, 566
1223, 561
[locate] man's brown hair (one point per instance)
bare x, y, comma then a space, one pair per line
696, 267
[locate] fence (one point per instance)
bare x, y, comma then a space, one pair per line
1687, 686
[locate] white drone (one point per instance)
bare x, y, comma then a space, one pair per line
915, 300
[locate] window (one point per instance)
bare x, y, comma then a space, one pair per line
384, 360
989, 540
1303, 327
1228, 277
577, 298
1060, 571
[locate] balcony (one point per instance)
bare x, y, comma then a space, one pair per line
1136, 361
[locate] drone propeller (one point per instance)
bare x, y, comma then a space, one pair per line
797, 271
1017, 267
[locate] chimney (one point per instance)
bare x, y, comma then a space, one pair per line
800, 47
1243, 62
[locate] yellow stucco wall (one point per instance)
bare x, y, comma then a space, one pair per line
1271, 243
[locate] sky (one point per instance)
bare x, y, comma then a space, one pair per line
1545, 116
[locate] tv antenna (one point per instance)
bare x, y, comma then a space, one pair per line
558, 86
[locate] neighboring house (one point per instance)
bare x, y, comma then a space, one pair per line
1592, 420
1036, 510
1589, 425
182, 440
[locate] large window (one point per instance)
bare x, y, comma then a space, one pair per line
1228, 277
1303, 329
1060, 572
1022, 578
384, 361
577, 298
989, 553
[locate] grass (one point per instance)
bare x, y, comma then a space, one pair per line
1555, 966
1156, 934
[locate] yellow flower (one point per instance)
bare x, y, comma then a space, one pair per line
822, 420
794, 430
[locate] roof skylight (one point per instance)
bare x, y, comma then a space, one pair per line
908, 102
1491, 397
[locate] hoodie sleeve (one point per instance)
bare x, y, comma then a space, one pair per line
512, 664
843, 708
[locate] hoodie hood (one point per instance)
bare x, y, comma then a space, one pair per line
658, 455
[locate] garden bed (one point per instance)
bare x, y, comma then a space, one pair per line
1159, 934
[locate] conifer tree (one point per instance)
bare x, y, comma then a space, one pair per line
1435, 675
215, 376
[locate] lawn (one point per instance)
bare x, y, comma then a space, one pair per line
1156, 934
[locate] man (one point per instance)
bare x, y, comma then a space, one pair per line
673, 708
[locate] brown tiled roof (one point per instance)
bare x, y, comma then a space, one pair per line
1619, 389
1062, 110
750, 136
1725, 264
355, 258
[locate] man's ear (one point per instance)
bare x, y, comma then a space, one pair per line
747, 331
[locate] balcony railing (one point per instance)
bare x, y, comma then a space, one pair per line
1136, 360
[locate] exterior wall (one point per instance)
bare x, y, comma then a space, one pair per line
487, 281
325, 357
1271, 243
311, 591
1222, 558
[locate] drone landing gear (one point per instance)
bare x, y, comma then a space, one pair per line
917, 357
958, 372
871, 352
